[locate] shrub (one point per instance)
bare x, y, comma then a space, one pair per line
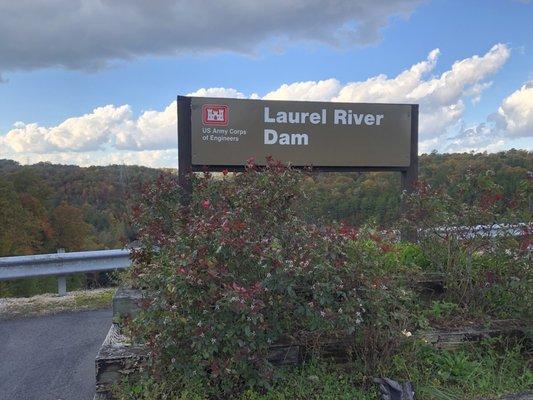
237, 270
485, 267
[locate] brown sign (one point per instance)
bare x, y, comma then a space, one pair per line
227, 132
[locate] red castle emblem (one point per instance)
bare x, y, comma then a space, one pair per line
215, 114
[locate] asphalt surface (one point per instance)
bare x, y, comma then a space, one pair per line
51, 357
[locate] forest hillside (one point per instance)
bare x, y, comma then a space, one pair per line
45, 206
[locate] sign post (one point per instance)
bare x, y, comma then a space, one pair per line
184, 146
220, 134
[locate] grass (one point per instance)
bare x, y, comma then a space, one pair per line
312, 381
40, 285
52, 303
317, 381
486, 370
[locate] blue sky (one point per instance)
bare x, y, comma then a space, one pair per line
46, 84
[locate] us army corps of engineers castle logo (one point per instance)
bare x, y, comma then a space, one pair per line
215, 114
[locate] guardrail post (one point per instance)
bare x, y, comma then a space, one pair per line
62, 285
61, 281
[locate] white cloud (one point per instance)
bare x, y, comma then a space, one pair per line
517, 111
153, 130
112, 132
88, 132
319, 91
440, 97
218, 92
513, 120
148, 158
382, 89
107, 126
91, 34
477, 138
475, 91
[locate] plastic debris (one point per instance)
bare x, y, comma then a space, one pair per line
392, 390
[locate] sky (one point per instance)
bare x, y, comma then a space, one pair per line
94, 82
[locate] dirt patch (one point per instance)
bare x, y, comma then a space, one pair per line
52, 304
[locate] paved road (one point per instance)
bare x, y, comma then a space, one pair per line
51, 357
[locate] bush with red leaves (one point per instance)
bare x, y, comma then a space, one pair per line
237, 270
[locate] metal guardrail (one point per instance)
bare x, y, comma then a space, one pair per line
495, 230
62, 264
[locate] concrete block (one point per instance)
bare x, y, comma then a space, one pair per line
126, 303
117, 359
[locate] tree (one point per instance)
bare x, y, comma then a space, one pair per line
17, 229
71, 230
